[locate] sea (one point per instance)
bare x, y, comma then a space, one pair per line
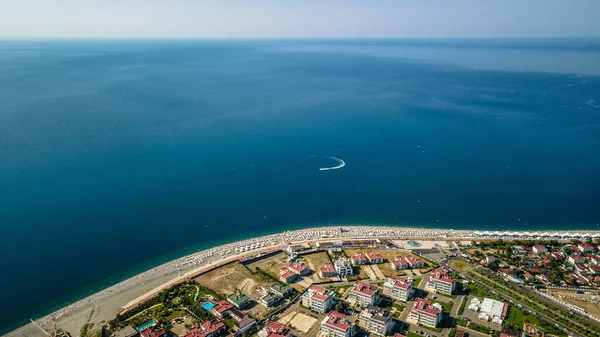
118, 155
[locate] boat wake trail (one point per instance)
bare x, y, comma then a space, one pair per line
342, 164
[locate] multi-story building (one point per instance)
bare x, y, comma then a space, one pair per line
374, 258
585, 247
414, 262
364, 293
213, 328
376, 320
336, 325
441, 282
399, 263
359, 259
576, 259
397, 287
269, 299
425, 313
540, 249
328, 271
318, 298
343, 267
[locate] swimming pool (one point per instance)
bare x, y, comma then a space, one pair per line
146, 325
207, 305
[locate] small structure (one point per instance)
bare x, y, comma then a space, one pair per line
269, 299
282, 291
585, 247
490, 259
489, 309
343, 267
239, 300
364, 293
336, 325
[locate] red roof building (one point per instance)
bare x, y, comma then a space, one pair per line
149, 333
364, 293
374, 258
425, 313
399, 263
441, 281
212, 328
286, 275
328, 271
359, 259
195, 332
335, 325
299, 267
414, 262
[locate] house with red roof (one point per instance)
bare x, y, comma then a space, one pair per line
359, 259
213, 328
195, 332
576, 259
299, 267
399, 263
286, 275
336, 325
221, 309
440, 281
274, 329
414, 262
374, 258
328, 271
364, 293
540, 249
425, 313
152, 333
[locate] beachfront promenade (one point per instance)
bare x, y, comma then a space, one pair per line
104, 305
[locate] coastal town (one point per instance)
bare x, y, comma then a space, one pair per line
372, 281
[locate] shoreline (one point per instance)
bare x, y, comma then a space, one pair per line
105, 304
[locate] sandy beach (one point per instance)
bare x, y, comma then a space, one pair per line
104, 305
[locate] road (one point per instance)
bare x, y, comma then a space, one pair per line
549, 319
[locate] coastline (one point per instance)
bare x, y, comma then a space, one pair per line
105, 304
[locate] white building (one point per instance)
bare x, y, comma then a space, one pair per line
397, 287
425, 313
441, 282
335, 325
364, 293
318, 298
343, 267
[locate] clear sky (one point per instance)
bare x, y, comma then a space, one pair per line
299, 18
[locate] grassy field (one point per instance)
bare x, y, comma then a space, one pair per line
316, 261
460, 265
271, 264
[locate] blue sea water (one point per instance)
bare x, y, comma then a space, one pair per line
118, 155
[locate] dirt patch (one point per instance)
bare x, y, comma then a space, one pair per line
588, 302
460, 265
316, 261
271, 264
302, 322
180, 329
388, 256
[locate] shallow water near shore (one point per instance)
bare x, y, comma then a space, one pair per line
120, 155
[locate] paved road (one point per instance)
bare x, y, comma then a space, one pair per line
552, 321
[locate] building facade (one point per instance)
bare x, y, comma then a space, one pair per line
318, 299
398, 288
364, 293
